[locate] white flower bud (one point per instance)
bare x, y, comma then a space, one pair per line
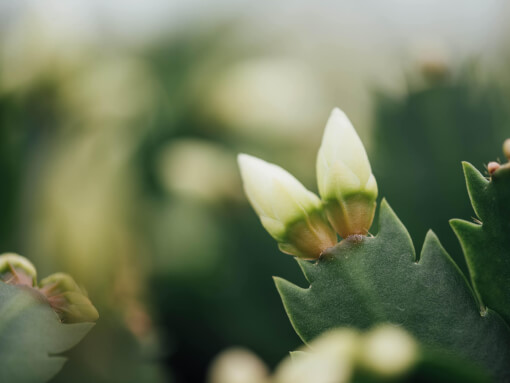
346, 183
288, 211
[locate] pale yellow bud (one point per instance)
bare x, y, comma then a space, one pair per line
344, 176
288, 211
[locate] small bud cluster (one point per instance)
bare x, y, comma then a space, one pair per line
494, 166
304, 224
66, 298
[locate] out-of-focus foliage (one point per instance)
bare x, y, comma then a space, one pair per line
35, 320
486, 243
117, 165
119, 172
421, 138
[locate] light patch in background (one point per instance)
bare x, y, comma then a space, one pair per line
268, 98
114, 91
198, 169
189, 240
238, 365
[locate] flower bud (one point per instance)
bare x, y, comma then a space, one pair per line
492, 167
17, 270
288, 211
345, 180
67, 299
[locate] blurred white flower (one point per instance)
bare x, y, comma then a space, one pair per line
506, 148
79, 215
345, 180
33, 49
198, 169
288, 211
269, 98
330, 359
385, 351
238, 365
108, 92
388, 351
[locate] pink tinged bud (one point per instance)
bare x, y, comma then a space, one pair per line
68, 300
492, 167
17, 270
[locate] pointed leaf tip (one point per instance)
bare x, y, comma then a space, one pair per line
476, 184
391, 229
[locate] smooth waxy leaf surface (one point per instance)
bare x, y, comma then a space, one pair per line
372, 280
32, 336
486, 245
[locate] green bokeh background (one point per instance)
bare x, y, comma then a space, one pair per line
117, 165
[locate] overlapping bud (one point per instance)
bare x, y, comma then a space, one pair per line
66, 298
294, 216
288, 211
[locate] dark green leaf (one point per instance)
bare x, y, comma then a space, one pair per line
360, 283
486, 245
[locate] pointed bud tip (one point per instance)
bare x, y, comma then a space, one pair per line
337, 120
242, 158
338, 112
344, 176
248, 163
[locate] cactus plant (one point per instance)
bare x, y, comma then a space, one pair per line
367, 280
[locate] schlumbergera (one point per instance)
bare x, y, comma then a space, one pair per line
366, 280
38, 320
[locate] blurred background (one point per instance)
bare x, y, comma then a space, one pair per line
120, 122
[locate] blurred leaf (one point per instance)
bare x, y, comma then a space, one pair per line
32, 336
364, 282
420, 140
487, 245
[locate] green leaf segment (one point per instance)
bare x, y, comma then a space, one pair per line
32, 336
364, 281
486, 243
